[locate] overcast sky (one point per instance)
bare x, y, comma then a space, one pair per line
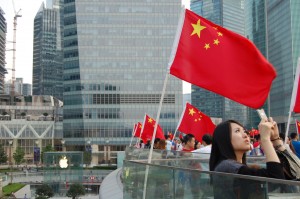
24, 40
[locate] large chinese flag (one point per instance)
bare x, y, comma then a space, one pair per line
298, 126
148, 129
221, 61
195, 122
138, 129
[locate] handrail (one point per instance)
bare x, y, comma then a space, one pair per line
257, 178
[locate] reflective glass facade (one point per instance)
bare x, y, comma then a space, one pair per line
255, 30
115, 62
229, 14
283, 50
3, 28
47, 54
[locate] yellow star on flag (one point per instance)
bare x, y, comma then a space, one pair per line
206, 46
298, 124
191, 111
216, 42
220, 34
197, 28
150, 120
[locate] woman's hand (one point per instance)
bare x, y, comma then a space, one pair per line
275, 131
265, 129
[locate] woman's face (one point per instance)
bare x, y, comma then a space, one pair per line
239, 138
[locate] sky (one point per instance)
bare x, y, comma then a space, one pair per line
24, 39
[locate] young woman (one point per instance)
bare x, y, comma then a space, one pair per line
229, 146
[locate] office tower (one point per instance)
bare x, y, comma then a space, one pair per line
26, 89
47, 53
115, 62
230, 15
283, 29
255, 30
3, 71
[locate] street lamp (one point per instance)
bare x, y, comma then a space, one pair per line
63, 144
107, 152
10, 142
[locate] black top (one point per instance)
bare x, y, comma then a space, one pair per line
236, 188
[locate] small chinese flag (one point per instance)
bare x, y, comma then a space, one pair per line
221, 61
195, 122
137, 130
298, 126
148, 129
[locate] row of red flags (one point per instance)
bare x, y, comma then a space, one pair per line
192, 121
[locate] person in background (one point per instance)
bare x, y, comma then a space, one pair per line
197, 145
206, 140
295, 143
288, 144
189, 143
168, 142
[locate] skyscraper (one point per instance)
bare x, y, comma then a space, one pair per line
115, 62
47, 53
255, 30
283, 29
230, 15
3, 71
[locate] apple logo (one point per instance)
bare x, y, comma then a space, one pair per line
63, 162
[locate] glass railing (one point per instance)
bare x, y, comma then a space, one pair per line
181, 175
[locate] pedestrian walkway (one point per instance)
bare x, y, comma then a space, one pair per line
25, 190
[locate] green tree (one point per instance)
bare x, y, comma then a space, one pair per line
19, 155
75, 191
87, 157
23, 114
3, 155
44, 192
48, 148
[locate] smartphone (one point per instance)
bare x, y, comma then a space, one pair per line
262, 114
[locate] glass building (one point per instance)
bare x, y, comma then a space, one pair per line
47, 53
3, 30
230, 15
115, 62
283, 29
255, 30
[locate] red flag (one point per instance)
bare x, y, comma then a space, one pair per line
195, 122
295, 101
221, 61
298, 126
148, 129
138, 129
253, 132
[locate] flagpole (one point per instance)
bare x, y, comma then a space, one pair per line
154, 134
133, 133
172, 56
179, 122
296, 126
293, 98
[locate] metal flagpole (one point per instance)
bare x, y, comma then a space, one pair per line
174, 49
179, 122
293, 99
133, 133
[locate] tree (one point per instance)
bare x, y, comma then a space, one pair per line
3, 155
87, 157
44, 192
19, 155
48, 148
75, 191
23, 114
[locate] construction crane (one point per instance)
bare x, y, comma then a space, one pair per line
13, 76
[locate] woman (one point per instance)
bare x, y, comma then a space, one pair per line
229, 146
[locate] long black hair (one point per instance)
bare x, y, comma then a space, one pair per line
222, 148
